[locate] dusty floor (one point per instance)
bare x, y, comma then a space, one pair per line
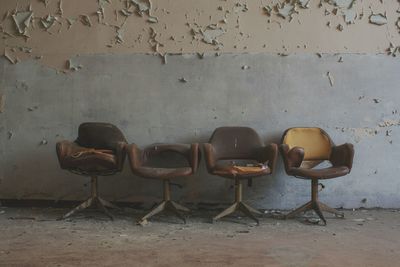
33, 237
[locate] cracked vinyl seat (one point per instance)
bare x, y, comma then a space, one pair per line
238, 153
143, 164
98, 151
303, 149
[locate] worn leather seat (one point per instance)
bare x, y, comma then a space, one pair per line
142, 165
228, 153
303, 149
99, 150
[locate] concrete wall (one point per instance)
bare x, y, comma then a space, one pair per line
149, 103
117, 73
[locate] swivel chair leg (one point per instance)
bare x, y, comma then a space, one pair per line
239, 205
315, 205
167, 204
93, 199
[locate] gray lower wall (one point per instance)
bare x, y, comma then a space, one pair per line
148, 102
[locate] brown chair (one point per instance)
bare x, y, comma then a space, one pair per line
302, 150
98, 151
238, 153
142, 164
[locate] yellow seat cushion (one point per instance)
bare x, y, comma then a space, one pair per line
316, 144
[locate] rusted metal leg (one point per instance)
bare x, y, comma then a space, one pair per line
87, 203
108, 204
326, 208
318, 211
153, 212
175, 211
247, 212
94, 198
299, 210
103, 208
229, 210
179, 206
251, 209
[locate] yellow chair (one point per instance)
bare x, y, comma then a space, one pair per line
302, 150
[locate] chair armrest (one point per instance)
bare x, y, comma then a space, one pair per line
342, 155
270, 154
120, 154
135, 156
292, 158
209, 156
194, 157
63, 149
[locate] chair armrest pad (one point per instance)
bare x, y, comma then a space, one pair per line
209, 156
194, 157
135, 156
120, 154
270, 154
342, 155
292, 158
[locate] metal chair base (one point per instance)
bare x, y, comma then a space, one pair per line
167, 204
315, 205
239, 205
94, 199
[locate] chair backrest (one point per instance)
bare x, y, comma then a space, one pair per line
236, 143
316, 142
99, 135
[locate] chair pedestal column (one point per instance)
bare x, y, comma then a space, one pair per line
239, 205
93, 199
315, 205
167, 204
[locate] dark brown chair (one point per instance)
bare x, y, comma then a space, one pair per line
238, 153
98, 151
302, 150
142, 164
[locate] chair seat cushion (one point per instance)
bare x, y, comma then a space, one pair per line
229, 171
162, 173
326, 173
89, 161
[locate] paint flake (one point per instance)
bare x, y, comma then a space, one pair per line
73, 66
342, 3
152, 19
378, 19
22, 21
349, 16
10, 58
48, 21
303, 3
142, 6
70, 22
85, 20
211, 33
285, 10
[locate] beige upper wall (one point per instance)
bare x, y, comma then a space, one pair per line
247, 28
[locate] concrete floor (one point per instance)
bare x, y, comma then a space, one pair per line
33, 237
